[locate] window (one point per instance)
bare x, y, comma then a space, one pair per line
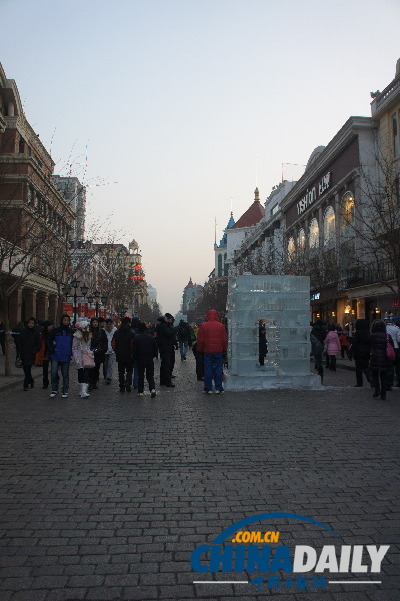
291, 249
302, 239
395, 133
219, 265
314, 233
329, 226
21, 145
348, 210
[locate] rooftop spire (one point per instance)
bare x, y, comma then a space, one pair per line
256, 195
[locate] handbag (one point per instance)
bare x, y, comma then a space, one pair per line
18, 362
87, 358
390, 354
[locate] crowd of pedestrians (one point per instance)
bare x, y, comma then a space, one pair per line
100, 346
375, 350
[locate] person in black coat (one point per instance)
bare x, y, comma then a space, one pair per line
361, 350
379, 363
29, 345
123, 343
99, 346
146, 352
166, 340
262, 342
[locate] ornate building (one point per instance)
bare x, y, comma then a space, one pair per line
35, 221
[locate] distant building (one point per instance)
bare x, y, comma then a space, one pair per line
75, 195
220, 250
190, 295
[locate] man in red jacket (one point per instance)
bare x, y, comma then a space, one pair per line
212, 341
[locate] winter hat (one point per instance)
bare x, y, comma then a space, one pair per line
169, 316
83, 325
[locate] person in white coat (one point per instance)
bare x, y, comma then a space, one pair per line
83, 356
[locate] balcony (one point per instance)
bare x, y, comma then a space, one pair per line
387, 94
363, 276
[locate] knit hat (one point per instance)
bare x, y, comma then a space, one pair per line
82, 325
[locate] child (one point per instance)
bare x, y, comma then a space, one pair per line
332, 345
146, 352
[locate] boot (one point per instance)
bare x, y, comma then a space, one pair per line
321, 373
383, 395
85, 393
376, 393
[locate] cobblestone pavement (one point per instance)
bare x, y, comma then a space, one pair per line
106, 498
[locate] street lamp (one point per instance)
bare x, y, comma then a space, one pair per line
96, 293
104, 300
75, 284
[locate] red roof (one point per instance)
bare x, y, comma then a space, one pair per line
190, 284
252, 216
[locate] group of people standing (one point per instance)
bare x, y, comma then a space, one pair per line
375, 350
133, 346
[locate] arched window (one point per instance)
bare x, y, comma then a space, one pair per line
348, 210
314, 234
329, 226
302, 239
291, 249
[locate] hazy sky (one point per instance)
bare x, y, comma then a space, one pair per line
188, 104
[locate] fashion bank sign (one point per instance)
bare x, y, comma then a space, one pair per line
275, 558
314, 193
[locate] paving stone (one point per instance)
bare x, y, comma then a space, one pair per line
107, 500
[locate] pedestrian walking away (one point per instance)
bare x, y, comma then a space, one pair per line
29, 345
109, 360
360, 350
380, 363
60, 347
146, 351
43, 356
212, 341
184, 336
332, 346
166, 341
123, 344
83, 356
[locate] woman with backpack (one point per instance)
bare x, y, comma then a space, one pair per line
83, 355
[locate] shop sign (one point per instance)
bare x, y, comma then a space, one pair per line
314, 193
396, 303
68, 309
315, 296
82, 309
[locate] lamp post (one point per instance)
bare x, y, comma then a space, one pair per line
90, 299
96, 294
104, 300
75, 284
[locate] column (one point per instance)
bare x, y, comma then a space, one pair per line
14, 307
29, 295
53, 306
42, 306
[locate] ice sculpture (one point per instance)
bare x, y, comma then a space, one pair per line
282, 305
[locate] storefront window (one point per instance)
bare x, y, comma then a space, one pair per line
314, 234
329, 226
291, 249
302, 239
348, 209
